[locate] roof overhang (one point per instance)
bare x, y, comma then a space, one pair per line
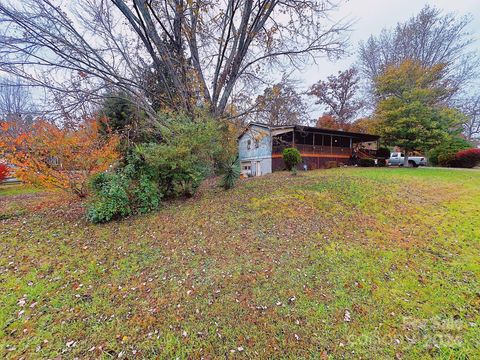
282, 129
361, 136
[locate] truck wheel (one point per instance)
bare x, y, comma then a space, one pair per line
412, 163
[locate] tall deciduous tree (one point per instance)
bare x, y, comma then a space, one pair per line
429, 38
199, 51
281, 104
471, 108
368, 125
15, 99
338, 95
327, 121
16, 106
412, 113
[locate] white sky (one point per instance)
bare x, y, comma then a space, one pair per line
373, 15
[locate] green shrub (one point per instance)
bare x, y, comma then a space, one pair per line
291, 157
444, 153
190, 150
111, 200
231, 173
445, 159
178, 170
115, 196
366, 162
188, 153
383, 153
146, 195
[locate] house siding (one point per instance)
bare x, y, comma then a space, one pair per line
318, 147
259, 151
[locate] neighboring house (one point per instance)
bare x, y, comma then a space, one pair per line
261, 146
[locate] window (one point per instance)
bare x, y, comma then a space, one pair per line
249, 144
246, 168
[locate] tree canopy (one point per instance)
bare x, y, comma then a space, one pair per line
430, 38
412, 111
281, 104
339, 95
197, 53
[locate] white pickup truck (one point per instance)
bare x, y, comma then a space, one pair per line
398, 159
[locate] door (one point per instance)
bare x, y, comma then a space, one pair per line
258, 169
394, 159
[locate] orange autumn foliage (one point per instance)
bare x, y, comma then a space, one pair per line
362, 125
53, 157
327, 121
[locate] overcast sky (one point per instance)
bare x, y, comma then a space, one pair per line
373, 15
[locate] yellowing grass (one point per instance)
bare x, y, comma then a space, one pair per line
268, 270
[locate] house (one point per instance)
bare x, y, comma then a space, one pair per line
261, 146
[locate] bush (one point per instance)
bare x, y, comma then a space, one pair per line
466, 158
111, 200
366, 162
188, 153
445, 152
146, 195
177, 170
115, 196
383, 153
4, 172
291, 157
190, 150
231, 173
445, 159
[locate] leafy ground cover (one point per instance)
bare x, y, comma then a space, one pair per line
342, 263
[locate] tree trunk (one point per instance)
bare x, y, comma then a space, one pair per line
405, 160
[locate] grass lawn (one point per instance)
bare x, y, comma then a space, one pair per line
344, 263
16, 189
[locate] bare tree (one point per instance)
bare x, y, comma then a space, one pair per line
15, 99
431, 38
16, 106
471, 108
339, 95
198, 50
280, 104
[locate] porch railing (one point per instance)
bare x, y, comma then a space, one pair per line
315, 149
